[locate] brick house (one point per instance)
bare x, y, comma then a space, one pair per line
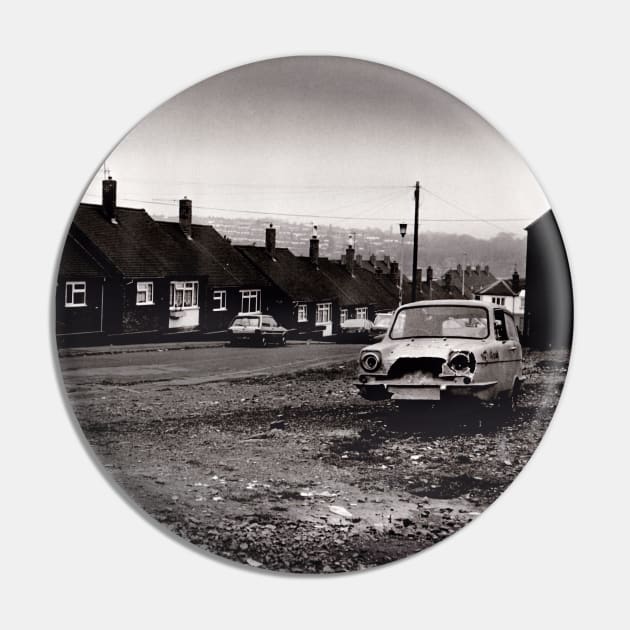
233, 284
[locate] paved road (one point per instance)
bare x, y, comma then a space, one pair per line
191, 366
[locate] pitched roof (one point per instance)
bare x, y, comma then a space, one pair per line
76, 262
134, 246
500, 287
294, 275
214, 257
361, 288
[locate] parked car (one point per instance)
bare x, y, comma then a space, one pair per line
441, 349
382, 322
355, 330
258, 329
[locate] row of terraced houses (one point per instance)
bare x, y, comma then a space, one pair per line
125, 276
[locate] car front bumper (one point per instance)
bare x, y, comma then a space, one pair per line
397, 390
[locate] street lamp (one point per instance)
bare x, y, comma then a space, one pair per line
403, 231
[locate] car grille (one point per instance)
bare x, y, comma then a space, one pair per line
427, 365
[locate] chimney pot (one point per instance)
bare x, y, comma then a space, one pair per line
350, 260
516, 282
185, 216
270, 240
109, 198
313, 250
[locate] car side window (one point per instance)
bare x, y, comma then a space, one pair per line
500, 331
272, 322
511, 327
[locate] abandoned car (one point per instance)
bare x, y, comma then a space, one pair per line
441, 349
258, 329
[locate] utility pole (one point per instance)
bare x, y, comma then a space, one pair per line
414, 271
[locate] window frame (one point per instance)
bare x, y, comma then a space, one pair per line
147, 284
187, 287
302, 313
221, 296
361, 309
343, 315
327, 307
249, 294
71, 284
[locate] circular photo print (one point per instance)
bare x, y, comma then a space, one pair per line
313, 315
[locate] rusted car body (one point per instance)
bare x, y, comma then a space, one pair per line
445, 349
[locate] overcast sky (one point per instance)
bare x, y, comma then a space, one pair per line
325, 140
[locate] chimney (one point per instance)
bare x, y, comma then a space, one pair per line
270, 240
386, 260
478, 269
459, 270
373, 260
516, 282
358, 259
393, 270
350, 256
313, 250
185, 217
468, 268
109, 199
486, 270
430, 280
447, 279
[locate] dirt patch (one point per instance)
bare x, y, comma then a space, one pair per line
299, 473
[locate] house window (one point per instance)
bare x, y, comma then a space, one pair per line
76, 294
324, 313
144, 293
362, 312
184, 295
343, 315
500, 301
219, 301
302, 313
250, 301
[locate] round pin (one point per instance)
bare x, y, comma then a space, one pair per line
313, 315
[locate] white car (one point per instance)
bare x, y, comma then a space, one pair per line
444, 349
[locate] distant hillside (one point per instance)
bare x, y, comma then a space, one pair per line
438, 249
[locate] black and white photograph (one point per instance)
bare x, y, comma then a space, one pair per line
313, 315
310, 315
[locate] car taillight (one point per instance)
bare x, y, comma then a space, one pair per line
370, 361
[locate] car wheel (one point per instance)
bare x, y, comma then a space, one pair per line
263, 341
283, 340
515, 396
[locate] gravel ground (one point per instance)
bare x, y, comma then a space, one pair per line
300, 474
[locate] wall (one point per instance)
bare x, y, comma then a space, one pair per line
79, 319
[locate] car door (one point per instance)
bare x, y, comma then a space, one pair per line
514, 346
508, 348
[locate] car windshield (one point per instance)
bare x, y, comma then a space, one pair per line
441, 321
246, 321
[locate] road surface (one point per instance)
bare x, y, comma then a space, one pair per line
197, 365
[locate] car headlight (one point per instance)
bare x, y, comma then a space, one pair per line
370, 361
462, 361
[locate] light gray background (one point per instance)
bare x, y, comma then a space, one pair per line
552, 551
